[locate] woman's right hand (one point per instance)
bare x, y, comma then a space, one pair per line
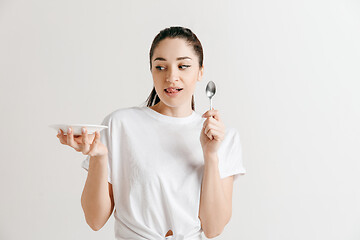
88, 144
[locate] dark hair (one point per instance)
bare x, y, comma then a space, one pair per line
175, 32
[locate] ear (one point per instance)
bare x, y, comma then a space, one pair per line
201, 73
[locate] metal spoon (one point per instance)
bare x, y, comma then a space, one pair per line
210, 91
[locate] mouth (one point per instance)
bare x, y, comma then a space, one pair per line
173, 90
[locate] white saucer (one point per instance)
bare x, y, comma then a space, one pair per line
77, 128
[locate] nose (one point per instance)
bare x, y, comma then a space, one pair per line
172, 75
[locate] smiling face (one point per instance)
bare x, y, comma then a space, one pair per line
175, 65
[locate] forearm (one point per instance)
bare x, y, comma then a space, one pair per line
214, 209
95, 199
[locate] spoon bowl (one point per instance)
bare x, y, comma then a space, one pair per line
210, 91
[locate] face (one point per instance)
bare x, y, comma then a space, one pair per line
175, 64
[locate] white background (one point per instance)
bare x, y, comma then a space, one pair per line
287, 75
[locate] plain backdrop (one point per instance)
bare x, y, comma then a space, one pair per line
287, 76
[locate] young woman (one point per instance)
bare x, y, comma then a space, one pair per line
167, 170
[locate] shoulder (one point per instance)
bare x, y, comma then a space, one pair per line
122, 114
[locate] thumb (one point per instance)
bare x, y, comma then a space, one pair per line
94, 143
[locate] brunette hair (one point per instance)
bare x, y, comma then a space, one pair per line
174, 32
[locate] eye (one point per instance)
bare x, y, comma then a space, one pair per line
184, 66
159, 68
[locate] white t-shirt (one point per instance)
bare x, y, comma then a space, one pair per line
156, 167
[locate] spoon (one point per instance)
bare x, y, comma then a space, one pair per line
210, 91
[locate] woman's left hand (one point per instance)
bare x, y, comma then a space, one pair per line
212, 133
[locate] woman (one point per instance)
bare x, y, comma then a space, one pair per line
167, 170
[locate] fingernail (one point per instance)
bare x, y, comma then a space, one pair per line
83, 130
69, 130
59, 131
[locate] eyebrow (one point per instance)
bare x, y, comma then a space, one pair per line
179, 58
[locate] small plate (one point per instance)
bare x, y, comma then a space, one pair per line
77, 128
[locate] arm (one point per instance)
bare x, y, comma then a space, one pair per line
215, 198
97, 197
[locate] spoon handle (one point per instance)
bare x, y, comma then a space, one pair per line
210, 103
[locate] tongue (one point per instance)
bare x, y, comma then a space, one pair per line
172, 90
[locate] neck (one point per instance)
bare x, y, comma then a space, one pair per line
178, 111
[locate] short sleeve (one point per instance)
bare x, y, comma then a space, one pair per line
105, 138
230, 155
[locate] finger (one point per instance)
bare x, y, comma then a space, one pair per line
218, 135
211, 113
210, 132
216, 115
206, 131
62, 137
59, 133
97, 137
213, 120
209, 135
70, 140
211, 126
218, 124
208, 125
206, 114
85, 142
78, 139
215, 135
94, 143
